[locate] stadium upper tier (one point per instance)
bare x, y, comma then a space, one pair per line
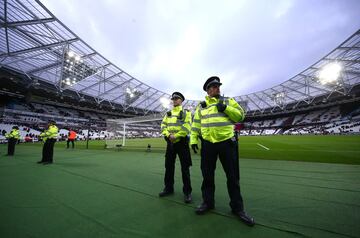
35, 43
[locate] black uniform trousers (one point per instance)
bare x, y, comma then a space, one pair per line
11, 146
181, 149
72, 143
48, 150
227, 152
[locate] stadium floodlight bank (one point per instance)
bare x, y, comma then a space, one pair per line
135, 127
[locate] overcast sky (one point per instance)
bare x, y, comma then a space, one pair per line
176, 45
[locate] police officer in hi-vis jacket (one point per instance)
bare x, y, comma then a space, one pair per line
175, 127
213, 123
49, 137
13, 136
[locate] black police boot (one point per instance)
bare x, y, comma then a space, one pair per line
40, 162
165, 193
187, 198
203, 208
248, 220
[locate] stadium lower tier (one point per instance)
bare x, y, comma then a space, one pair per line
33, 117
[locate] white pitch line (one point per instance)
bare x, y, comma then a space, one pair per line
263, 146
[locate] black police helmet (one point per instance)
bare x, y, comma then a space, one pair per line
214, 80
177, 95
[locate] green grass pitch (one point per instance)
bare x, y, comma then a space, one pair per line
326, 149
114, 193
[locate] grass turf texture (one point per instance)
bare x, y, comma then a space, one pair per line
326, 149
107, 193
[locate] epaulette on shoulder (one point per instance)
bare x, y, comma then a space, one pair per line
168, 113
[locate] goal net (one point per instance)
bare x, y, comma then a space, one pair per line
120, 130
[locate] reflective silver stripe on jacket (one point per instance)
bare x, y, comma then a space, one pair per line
215, 124
219, 114
185, 129
175, 124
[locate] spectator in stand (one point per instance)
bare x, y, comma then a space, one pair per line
71, 138
28, 138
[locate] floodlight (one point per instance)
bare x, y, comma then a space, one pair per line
165, 102
330, 73
279, 98
75, 69
71, 54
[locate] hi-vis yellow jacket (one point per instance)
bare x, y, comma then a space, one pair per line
176, 122
14, 133
50, 133
215, 126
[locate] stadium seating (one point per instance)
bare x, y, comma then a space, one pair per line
331, 120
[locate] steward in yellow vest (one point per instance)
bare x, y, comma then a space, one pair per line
49, 137
175, 127
213, 123
13, 138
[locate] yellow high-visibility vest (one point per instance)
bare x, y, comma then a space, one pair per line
14, 133
215, 126
176, 122
50, 133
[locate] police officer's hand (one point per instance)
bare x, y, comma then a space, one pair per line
172, 138
221, 107
194, 147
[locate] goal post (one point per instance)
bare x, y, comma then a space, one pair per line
119, 130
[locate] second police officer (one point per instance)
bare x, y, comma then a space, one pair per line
175, 127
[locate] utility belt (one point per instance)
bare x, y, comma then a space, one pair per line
230, 140
185, 139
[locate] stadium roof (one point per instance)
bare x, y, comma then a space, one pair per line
35, 43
